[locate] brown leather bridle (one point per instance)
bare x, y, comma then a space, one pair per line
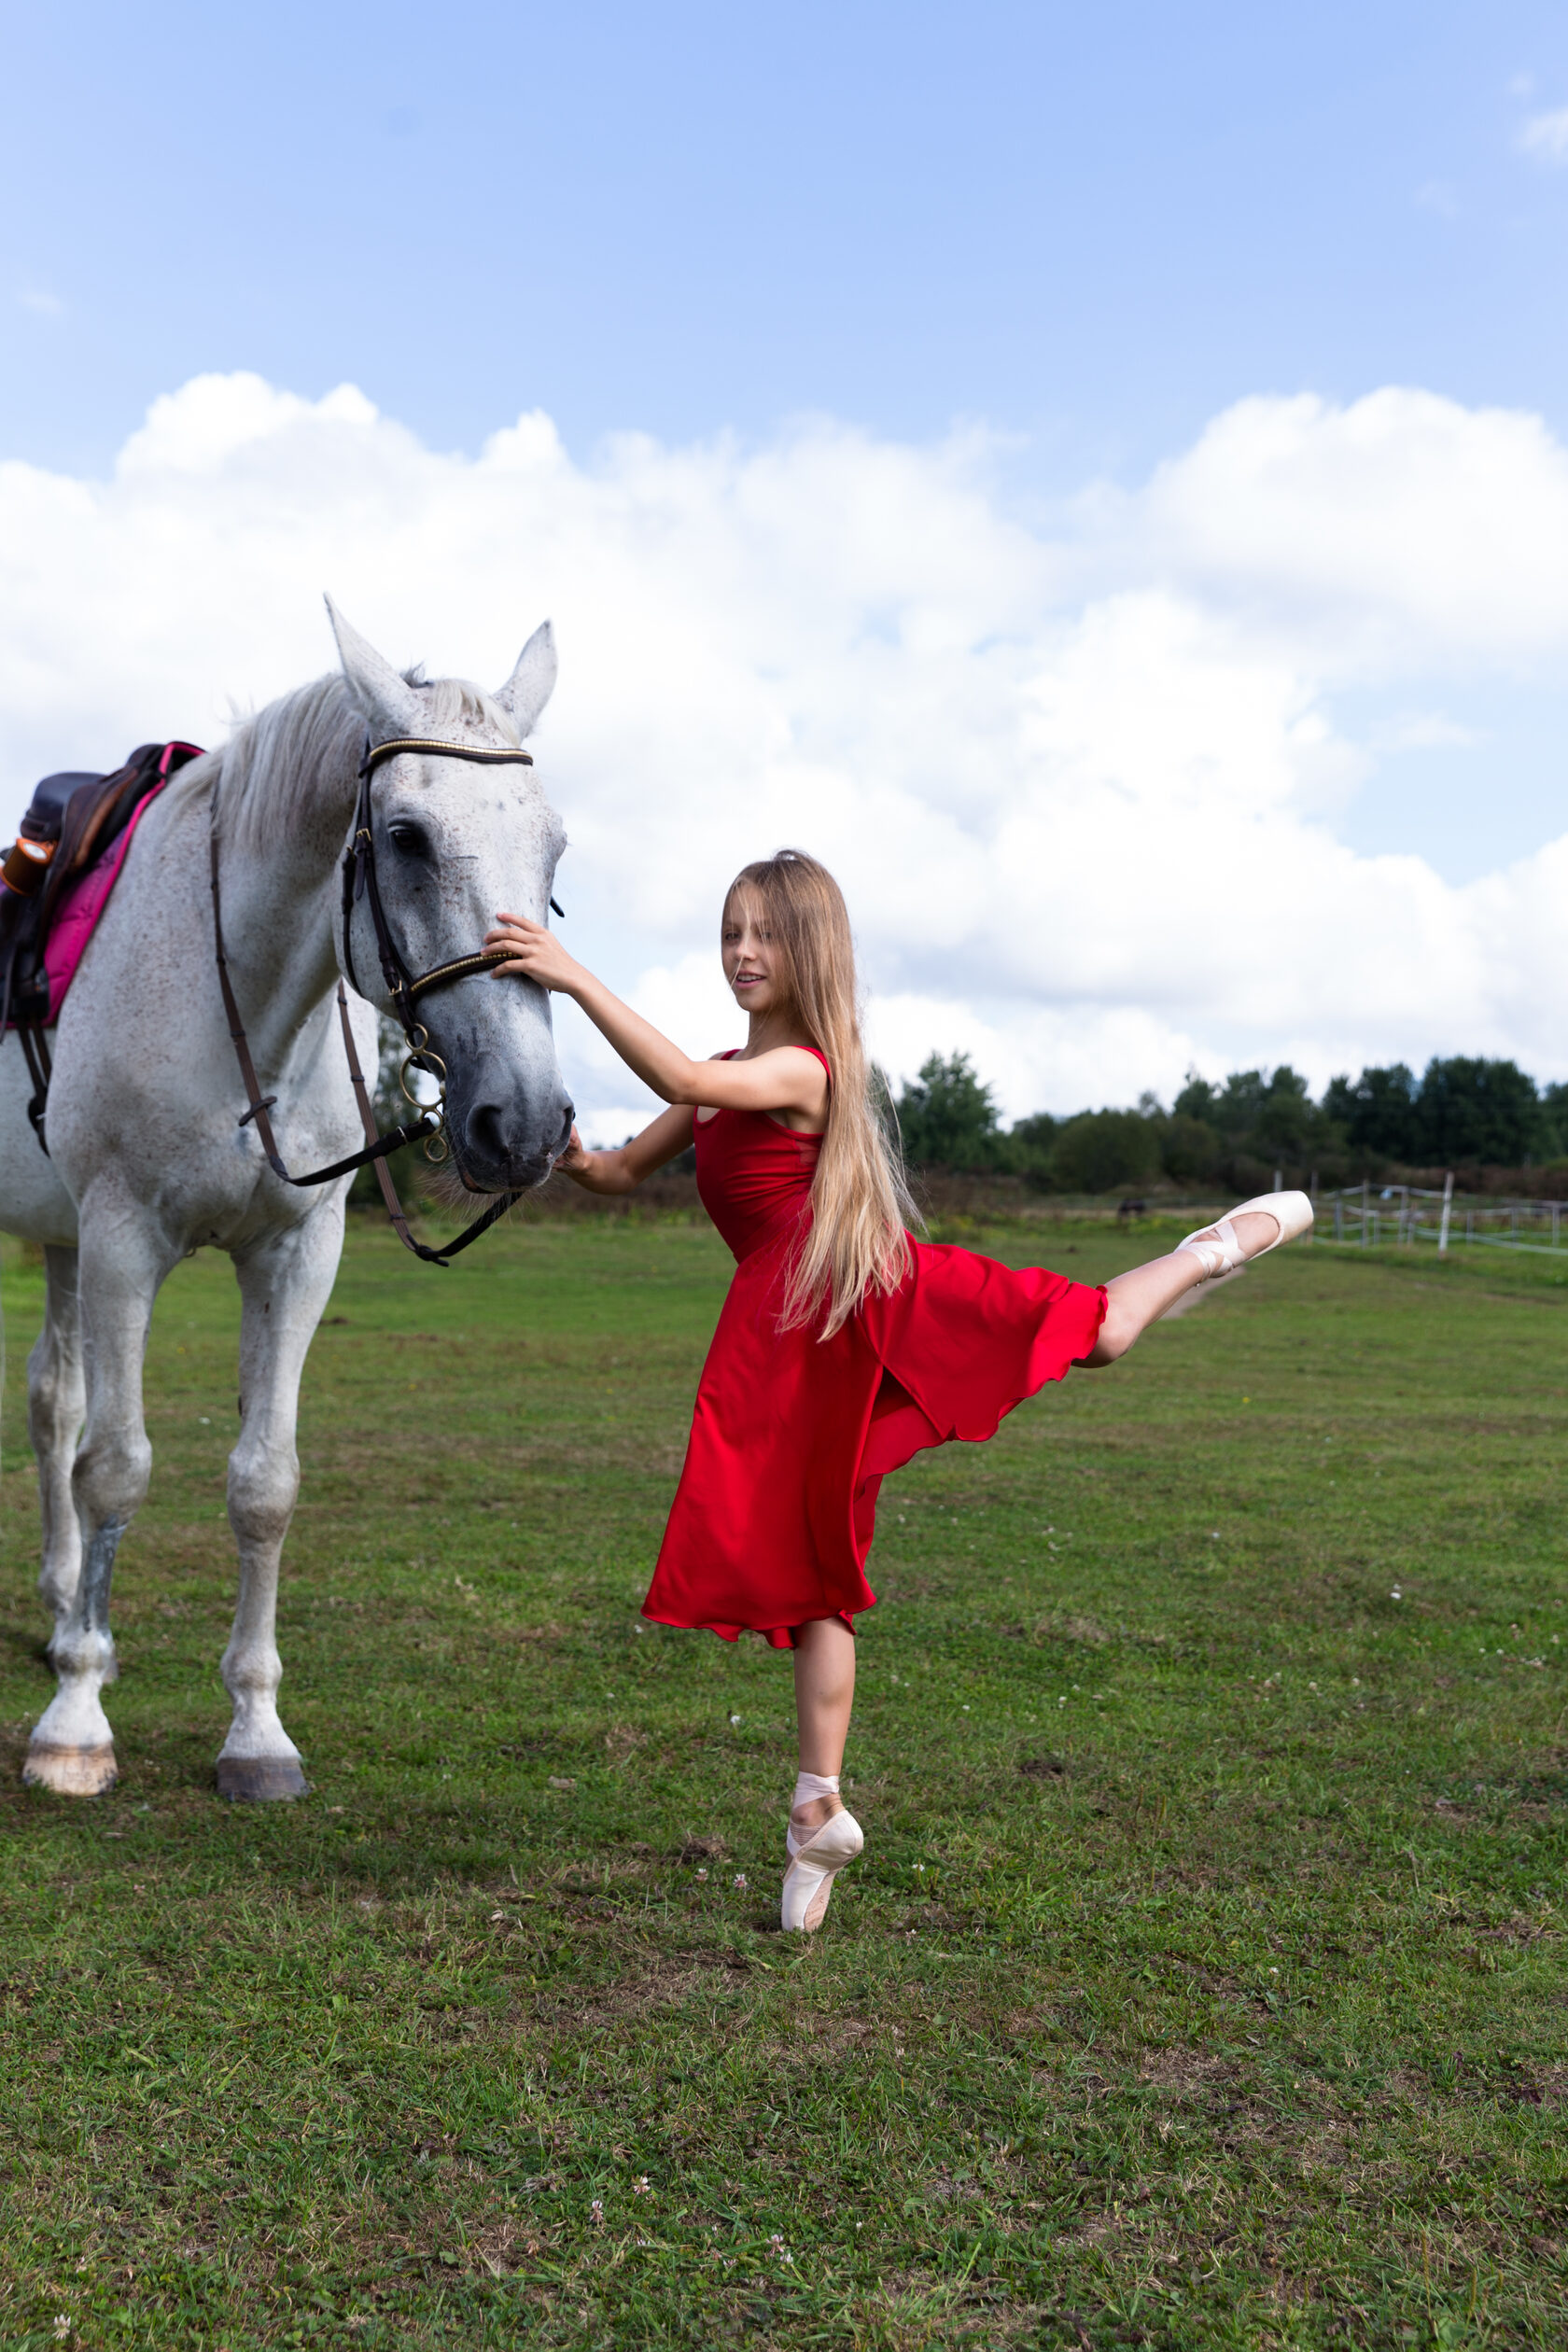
359, 880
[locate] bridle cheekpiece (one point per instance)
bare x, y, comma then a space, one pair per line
359, 881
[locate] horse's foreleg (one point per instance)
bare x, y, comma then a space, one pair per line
122, 1266
55, 1396
283, 1285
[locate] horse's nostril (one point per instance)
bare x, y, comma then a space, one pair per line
484, 1134
567, 1115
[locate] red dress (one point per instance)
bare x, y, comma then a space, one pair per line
793, 1435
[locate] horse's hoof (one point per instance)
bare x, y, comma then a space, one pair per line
260, 1780
70, 1771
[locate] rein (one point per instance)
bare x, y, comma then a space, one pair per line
359, 880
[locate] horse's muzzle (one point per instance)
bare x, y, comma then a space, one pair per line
509, 1146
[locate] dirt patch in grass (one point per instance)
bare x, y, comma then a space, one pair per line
1186, 2071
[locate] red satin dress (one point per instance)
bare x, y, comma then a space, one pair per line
793, 1435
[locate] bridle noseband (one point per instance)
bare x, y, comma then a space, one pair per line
359, 880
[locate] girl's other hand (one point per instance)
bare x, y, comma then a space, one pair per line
534, 953
574, 1156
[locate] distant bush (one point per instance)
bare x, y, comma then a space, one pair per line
1189, 1148
1029, 1145
1463, 1111
1104, 1151
948, 1117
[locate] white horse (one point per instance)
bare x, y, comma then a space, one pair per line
149, 1160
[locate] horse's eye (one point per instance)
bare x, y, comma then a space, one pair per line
409, 839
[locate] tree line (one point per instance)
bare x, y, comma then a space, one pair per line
1461, 1112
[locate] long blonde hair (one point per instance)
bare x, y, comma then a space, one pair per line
859, 1201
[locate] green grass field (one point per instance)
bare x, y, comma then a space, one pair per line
1203, 1982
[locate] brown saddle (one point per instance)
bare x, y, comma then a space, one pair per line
71, 820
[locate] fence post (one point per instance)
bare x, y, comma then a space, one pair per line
1338, 1217
1364, 1211
1556, 1214
1447, 1212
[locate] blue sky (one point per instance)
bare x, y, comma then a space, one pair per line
812, 244
1094, 227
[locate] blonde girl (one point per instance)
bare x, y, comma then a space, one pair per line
845, 1345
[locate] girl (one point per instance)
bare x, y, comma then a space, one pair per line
845, 1346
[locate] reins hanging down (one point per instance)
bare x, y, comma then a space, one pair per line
359, 879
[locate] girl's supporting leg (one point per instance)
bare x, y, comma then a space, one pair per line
824, 1695
823, 1835
1138, 1299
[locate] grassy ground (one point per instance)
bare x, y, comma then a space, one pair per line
1203, 1982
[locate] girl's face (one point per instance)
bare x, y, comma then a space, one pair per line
753, 965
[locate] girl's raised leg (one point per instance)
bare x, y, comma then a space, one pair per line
1140, 1297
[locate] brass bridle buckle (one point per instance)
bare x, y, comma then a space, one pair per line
422, 1055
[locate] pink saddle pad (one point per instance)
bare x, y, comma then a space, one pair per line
80, 905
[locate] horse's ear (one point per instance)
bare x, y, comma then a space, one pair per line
386, 700
532, 682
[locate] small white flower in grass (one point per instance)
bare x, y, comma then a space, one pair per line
61, 2323
702, 1874
734, 1718
740, 1878
1397, 1594
1062, 1701
643, 2187
596, 2213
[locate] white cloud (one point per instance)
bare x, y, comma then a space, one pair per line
1080, 784
1401, 534
1545, 136
1423, 731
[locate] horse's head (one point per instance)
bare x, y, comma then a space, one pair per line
455, 841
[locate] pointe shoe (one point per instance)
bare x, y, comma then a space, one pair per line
813, 1867
1216, 1247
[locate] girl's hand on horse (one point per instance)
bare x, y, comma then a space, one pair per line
535, 953
574, 1156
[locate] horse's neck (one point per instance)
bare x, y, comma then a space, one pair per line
278, 907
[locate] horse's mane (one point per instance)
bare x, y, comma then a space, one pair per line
297, 762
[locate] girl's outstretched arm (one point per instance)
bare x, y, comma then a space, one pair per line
639, 1157
788, 1078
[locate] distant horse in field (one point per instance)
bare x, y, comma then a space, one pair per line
149, 1159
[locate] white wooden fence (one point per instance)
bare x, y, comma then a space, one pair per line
1366, 1215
